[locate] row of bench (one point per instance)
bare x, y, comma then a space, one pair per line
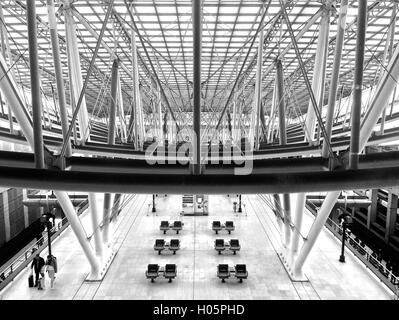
233, 245
174, 245
239, 271
161, 245
154, 271
178, 226
218, 226
169, 272
175, 226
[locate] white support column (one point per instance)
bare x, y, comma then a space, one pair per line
76, 71
272, 113
59, 75
255, 115
121, 112
315, 230
138, 119
279, 217
299, 211
95, 225
341, 26
234, 125
80, 233
318, 74
159, 117
379, 102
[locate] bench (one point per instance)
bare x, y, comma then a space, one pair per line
164, 226
233, 246
228, 226
169, 272
219, 245
216, 226
152, 272
175, 226
161, 245
239, 271
223, 272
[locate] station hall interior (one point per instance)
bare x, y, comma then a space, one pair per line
199, 149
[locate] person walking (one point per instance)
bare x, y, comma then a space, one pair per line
42, 280
36, 266
51, 268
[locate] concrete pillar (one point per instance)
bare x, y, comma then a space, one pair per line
372, 210
392, 212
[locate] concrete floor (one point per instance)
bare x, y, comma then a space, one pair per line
135, 234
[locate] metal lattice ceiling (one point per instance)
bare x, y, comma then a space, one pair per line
228, 29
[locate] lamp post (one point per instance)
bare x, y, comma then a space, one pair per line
346, 220
153, 203
45, 219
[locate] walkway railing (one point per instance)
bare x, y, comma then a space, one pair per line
362, 252
11, 270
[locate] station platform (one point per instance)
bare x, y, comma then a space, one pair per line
137, 228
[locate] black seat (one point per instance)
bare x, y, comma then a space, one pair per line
159, 245
170, 272
235, 245
164, 226
152, 272
229, 226
174, 245
373, 260
241, 271
177, 226
383, 271
360, 248
223, 272
219, 245
216, 226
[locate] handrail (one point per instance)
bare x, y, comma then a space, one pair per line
8, 273
363, 253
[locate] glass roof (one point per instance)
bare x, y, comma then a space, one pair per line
228, 30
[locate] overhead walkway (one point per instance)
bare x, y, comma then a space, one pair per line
135, 233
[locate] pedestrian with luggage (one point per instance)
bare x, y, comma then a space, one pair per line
41, 283
51, 268
36, 266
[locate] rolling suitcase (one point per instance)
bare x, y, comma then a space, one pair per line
31, 282
40, 284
